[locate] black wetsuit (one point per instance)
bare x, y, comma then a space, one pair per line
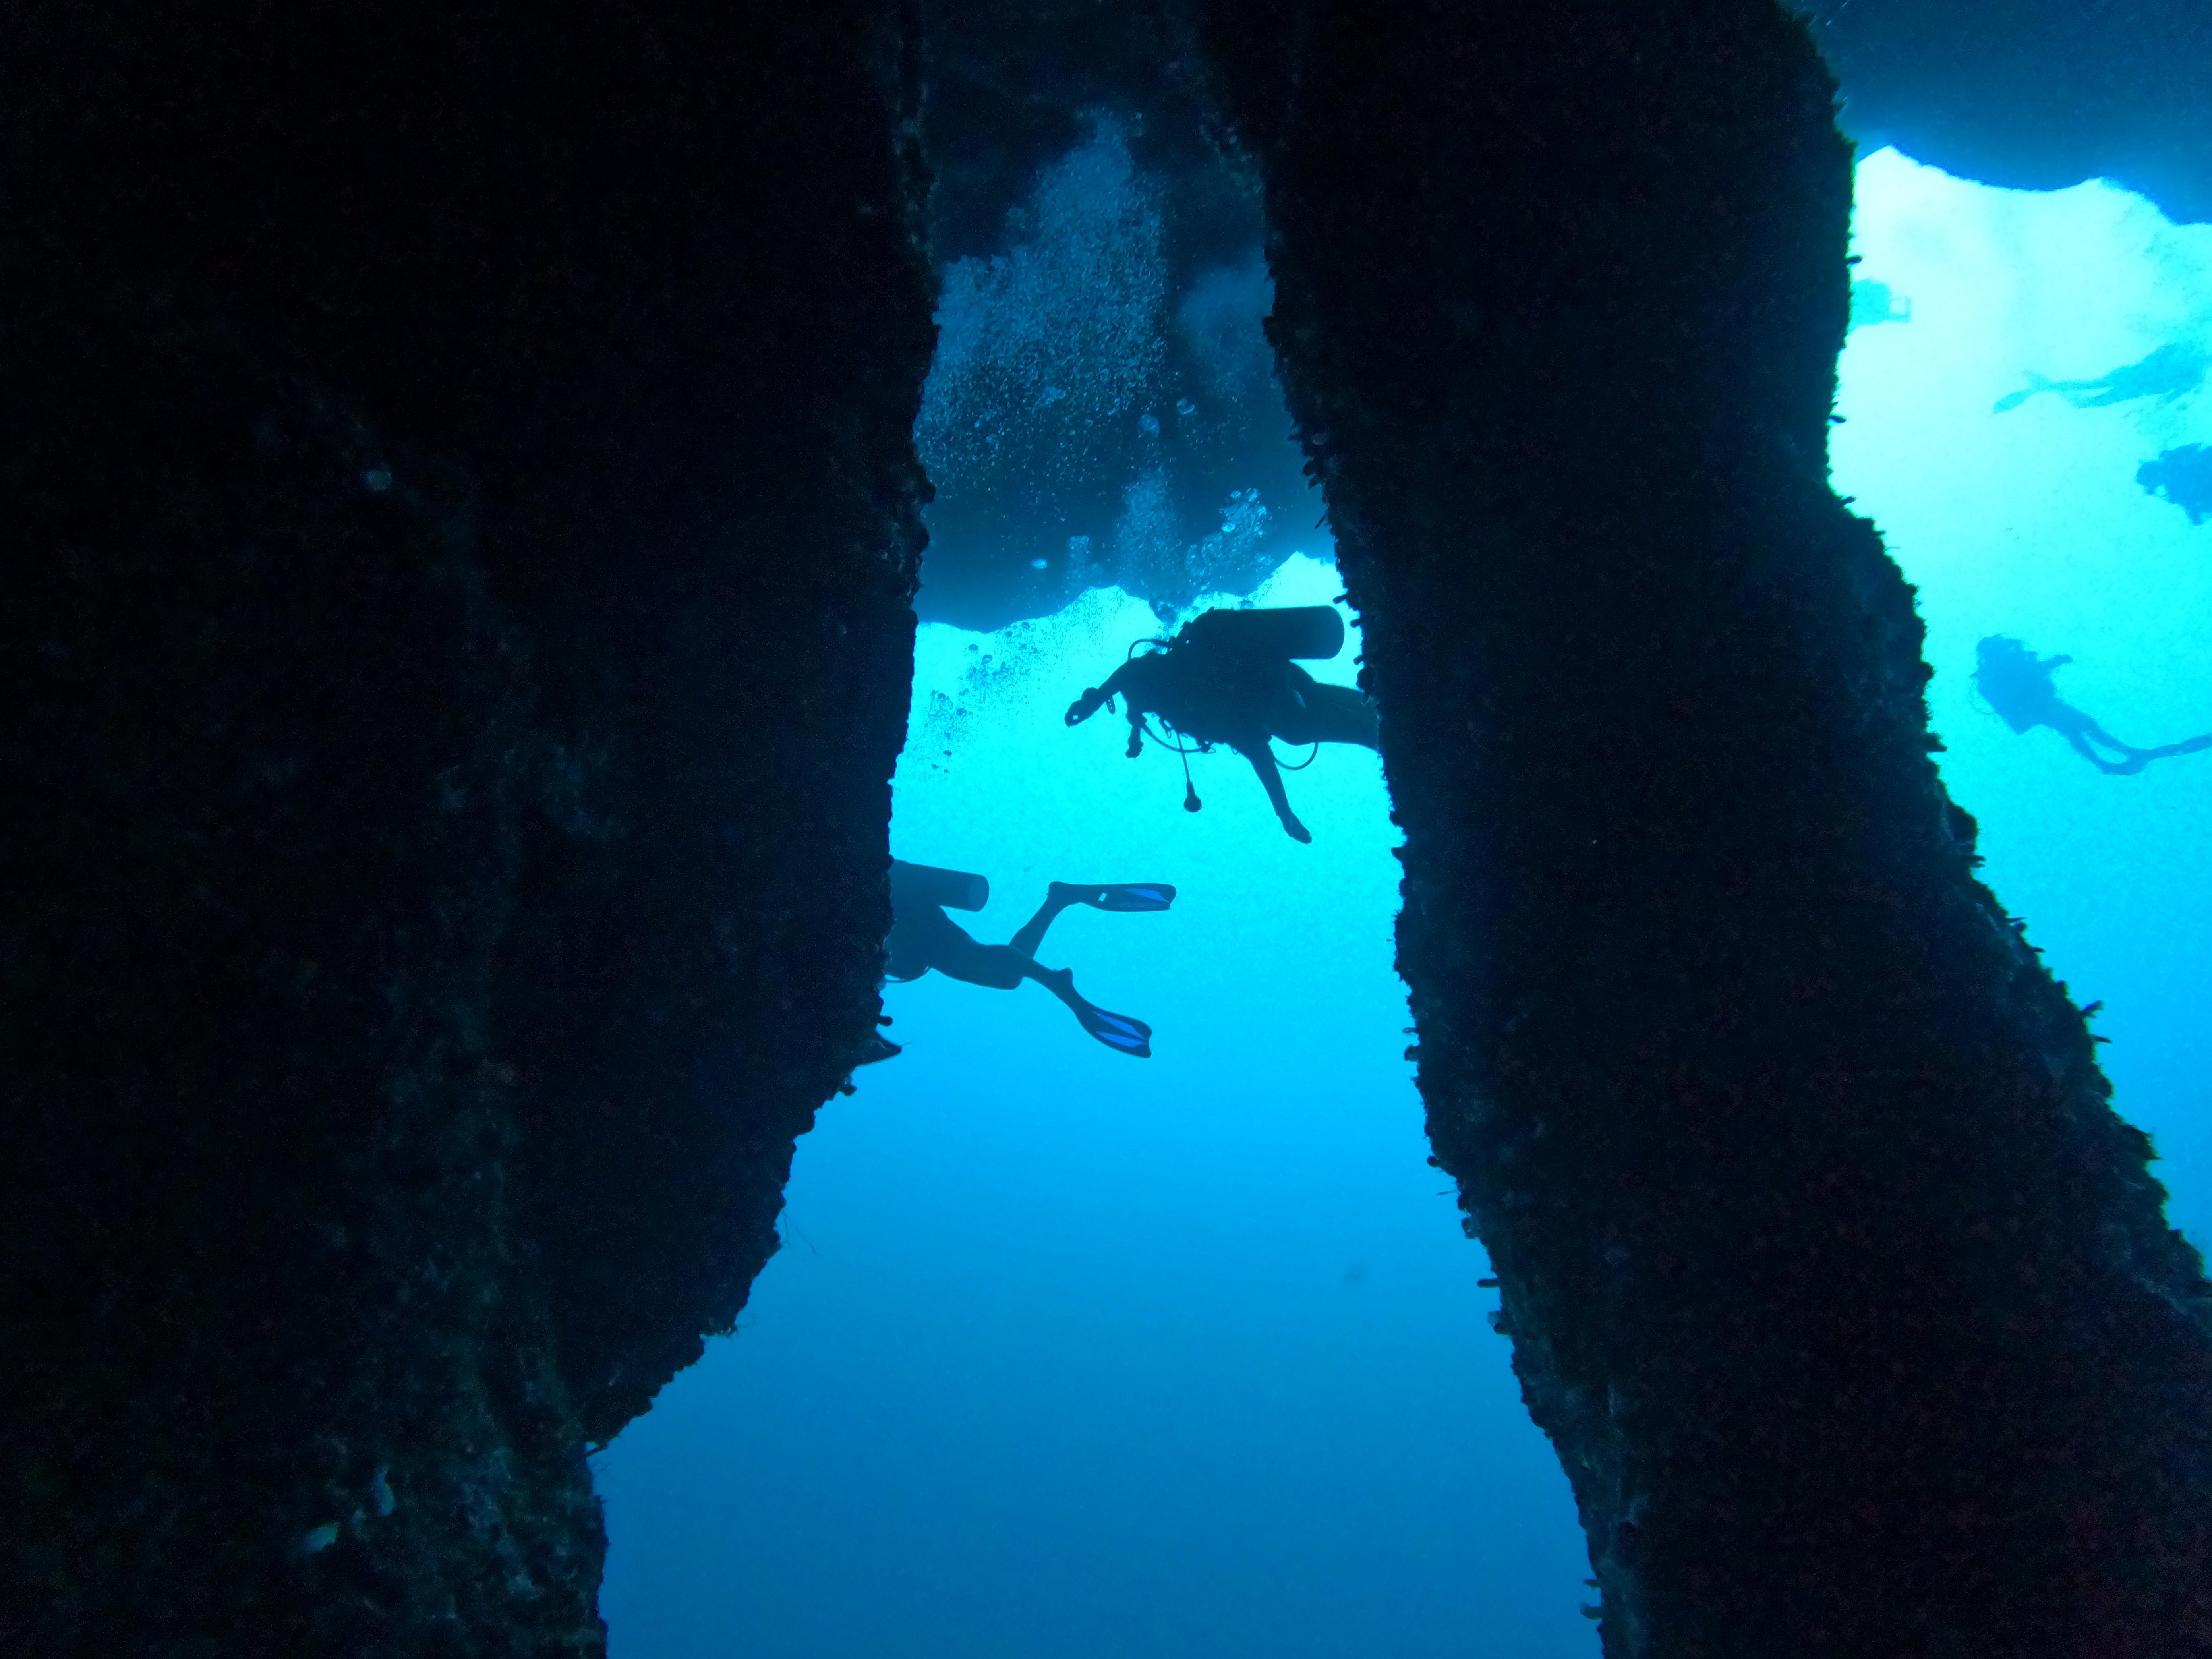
923, 937
2018, 685
1210, 685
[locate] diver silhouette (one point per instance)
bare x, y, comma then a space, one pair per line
923, 937
2169, 372
1227, 677
2018, 685
2182, 475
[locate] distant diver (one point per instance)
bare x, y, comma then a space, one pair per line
1228, 677
1872, 302
2018, 685
2182, 475
2172, 371
923, 937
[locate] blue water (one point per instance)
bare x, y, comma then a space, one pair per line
1071, 1356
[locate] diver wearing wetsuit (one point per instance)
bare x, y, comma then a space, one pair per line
2018, 685
923, 937
1228, 677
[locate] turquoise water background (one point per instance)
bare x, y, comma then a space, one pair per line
1070, 1356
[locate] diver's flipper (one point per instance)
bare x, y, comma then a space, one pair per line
2013, 400
1121, 896
2186, 746
876, 1049
1116, 1031
1130, 1037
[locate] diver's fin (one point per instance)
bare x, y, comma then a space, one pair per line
1130, 1037
876, 1049
1121, 896
2013, 400
2186, 746
1116, 1031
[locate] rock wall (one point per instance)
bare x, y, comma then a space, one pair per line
2032, 94
1846, 1299
462, 505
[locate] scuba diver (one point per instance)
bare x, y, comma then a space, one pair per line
923, 937
2172, 371
2018, 685
1227, 677
2182, 475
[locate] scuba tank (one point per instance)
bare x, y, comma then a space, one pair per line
2015, 682
917, 884
1314, 632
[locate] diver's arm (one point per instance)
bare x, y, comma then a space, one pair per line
1088, 704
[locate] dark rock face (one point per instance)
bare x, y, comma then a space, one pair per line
2032, 94
464, 510
1846, 1299
263, 1286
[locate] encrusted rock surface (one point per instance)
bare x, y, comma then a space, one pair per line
2032, 94
1845, 1297
462, 512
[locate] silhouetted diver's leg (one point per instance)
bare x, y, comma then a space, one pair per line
1117, 1031
1058, 897
956, 954
2081, 740
1116, 895
2136, 759
1271, 778
2086, 738
2083, 732
2142, 757
1332, 713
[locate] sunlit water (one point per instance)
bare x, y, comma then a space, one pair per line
1071, 1356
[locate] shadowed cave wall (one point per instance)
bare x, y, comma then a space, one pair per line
1845, 1297
2032, 94
462, 510
461, 472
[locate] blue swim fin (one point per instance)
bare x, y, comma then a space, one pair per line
1117, 1031
1125, 896
2013, 400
